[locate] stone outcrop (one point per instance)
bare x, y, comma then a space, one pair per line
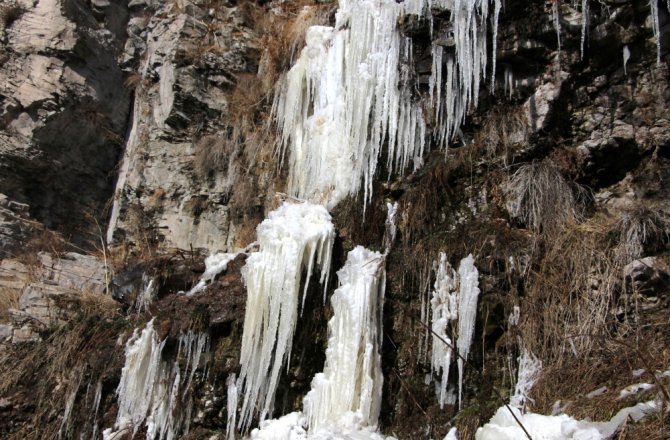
64, 112
185, 58
49, 290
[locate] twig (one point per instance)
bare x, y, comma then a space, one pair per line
516, 419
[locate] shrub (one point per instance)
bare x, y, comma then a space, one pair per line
642, 229
540, 197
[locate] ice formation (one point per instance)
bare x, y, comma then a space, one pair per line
529, 371
502, 425
467, 313
444, 308
452, 97
454, 299
626, 57
585, 24
146, 295
655, 25
348, 392
345, 398
452, 434
214, 265
231, 404
632, 390
391, 228
350, 92
556, 19
153, 392
290, 240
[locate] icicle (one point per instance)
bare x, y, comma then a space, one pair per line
444, 309
150, 391
585, 24
145, 298
467, 312
231, 404
626, 57
391, 229
494, 52
347, 395
556, 18
509, 81
513, 318
529, 370
655, 25
67, 412
96, 407
289, 240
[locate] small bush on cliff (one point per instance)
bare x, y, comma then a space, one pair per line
542, 199
642, 228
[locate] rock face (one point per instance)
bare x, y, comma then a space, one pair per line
136, 137
49, 290
64, 112
185, 59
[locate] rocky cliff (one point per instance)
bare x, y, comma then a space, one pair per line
138, 137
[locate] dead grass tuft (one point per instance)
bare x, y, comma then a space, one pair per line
540, 197
642, 229
9, 299
504, 132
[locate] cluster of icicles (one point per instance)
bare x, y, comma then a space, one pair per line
151, 389
351, 92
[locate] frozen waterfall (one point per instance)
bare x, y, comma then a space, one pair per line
345, 398
350, 93
153, 392
290, 240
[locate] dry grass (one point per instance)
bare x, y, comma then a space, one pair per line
642, 229
611, 365
504, 132
571, 290
82, 351
542, 199
9, 299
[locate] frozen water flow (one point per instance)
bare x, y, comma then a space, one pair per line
348, 392
156, 393
290, 240
467, 312
454, 299
214, 265
351, 91
444, 308
345, 399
